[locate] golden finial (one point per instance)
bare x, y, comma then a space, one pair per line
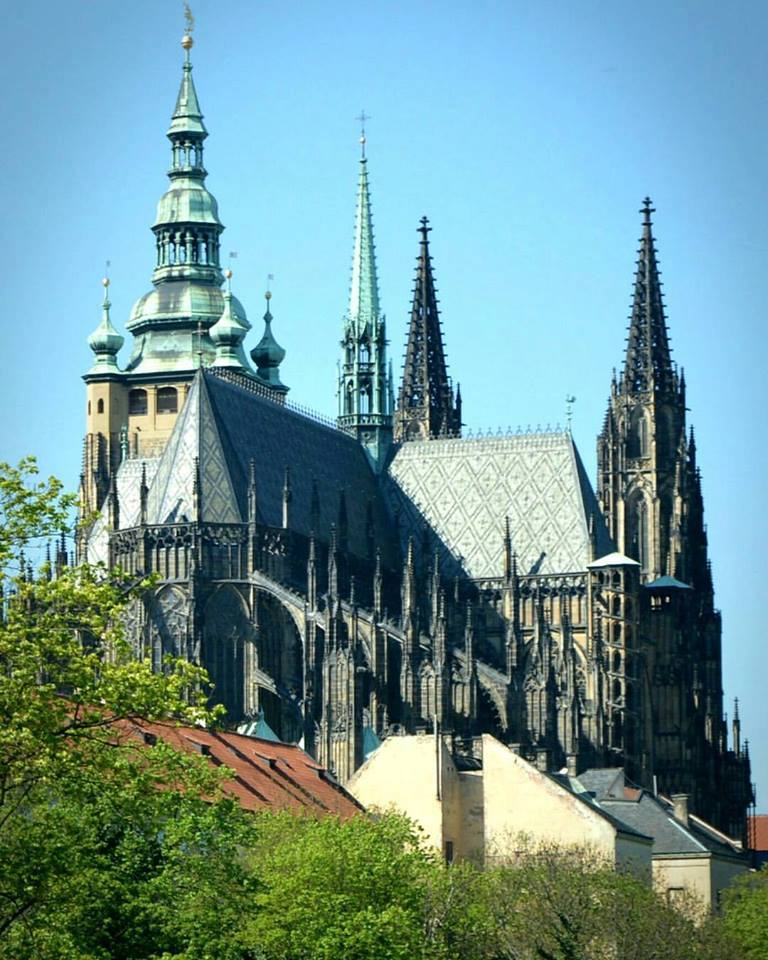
105, 280
362, 118
268, 294
189, 25
228, 273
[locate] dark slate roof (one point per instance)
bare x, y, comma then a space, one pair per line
573, 785
653, 816
223, 426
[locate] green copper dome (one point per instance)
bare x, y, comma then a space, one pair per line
268, 354
227, 336
105, 341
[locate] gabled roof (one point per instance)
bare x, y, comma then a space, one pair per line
464, 489
268, 775
654, 817
613, 560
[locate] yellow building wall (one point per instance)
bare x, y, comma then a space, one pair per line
518, 799
691, 874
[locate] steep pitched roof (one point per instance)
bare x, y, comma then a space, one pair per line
464, 489
222, 426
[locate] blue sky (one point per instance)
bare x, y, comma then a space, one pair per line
527, 132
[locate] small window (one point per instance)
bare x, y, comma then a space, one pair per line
100, 407
167, 400
137, 402
675, 894
89, 408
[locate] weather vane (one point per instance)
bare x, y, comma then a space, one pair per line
189, 20
569, 402
362, 118
268, 294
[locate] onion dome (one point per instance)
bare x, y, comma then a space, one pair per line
105, 341
228, 333
268, 354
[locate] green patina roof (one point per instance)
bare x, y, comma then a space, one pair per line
105, 341
187, 117
259, 728
364, 290
668, 583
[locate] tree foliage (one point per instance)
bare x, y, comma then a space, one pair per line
746, 914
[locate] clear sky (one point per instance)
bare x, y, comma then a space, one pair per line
528, 133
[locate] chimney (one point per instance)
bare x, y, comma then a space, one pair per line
680, 800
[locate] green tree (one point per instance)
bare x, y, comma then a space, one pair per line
105, 843
746, 914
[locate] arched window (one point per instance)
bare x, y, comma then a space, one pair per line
100, 406
365, 353
638, 532
637, 439
167, 400
137, 402
365, 399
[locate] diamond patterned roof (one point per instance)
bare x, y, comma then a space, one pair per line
128, 479
464, 488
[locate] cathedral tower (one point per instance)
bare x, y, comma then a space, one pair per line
365, 391
643, 450
426, 407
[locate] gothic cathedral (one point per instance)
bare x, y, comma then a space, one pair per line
345, 582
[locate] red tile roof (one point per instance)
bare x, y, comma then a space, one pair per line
268, 775
758, 832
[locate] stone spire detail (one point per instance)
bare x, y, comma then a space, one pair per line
648, 364
426, 406
365, 398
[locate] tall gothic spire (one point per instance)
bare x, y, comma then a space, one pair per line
426, 406
365, 399
170, 323
648, 365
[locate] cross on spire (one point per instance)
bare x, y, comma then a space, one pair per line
361, 119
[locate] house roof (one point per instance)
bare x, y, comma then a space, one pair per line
667, 583
574, 787
267, 775
654, 816
464, 489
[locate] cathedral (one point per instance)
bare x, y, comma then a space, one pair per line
350, 580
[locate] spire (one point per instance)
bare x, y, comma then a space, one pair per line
187, 276
426, 406
365, 400
648, 365
364, 290
105, 341
268, 354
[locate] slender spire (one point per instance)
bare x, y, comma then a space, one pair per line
365, 400
648, 363
426, 407
364, 290
105, 341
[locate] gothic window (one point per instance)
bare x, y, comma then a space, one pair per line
167, 400
638, 531
225, 632
137, 402
100, 407
365, 399
167, 627
348, 399
365, 353
637, 440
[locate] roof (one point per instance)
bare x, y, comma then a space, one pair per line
668, 583
465, 488
654, 817
573, 786
613, 560
268, 775
222, 426
758, 832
